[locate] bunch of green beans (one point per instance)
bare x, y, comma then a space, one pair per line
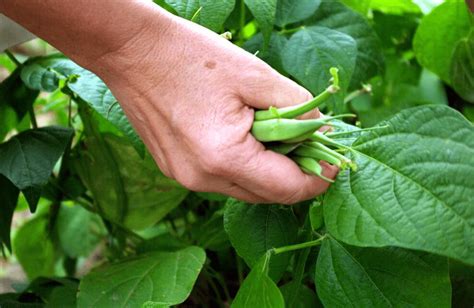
302, 140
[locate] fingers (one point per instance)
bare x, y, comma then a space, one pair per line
278, 179
263, 87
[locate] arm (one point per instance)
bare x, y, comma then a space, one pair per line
188, 92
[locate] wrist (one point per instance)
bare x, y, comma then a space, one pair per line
140, 36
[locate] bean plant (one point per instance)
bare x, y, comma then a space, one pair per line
395, 82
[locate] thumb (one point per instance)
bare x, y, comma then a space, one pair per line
264, 87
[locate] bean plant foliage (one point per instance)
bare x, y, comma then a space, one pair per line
395, 229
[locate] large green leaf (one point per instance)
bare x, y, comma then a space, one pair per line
254, 229
414, 186
389, 277
34, 249
264, 12
462, 68
259, 290
305, 298
79, 231
273, 50
165, 278
396, 93
291, 11
312, 51
395, 6
29, 157
209, 13
437, 35
45, 73
336, 16
361, 6
9, 193
116, 175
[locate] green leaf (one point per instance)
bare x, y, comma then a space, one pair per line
291, 11
437, 35
208, 13
210, 233
395, 6
306, 297
414, 187
45, 73
361, 6
258, 290
396, 32
29, 157
254, 229
14, 93
272, 53
264, 12
312, 51
8, 118
336, 16
9, 193
62, 297
396, 93
128, 190
462, 68
380, 277
79, 231
165, 278
34, 249
56, 292
468, 112
316, 217
164, 242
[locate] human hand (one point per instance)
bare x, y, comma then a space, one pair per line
191, 95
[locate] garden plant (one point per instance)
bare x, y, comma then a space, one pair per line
395, 82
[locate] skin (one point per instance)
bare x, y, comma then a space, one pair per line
189, 93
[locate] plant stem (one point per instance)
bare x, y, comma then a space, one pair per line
242, 22
240, 273
13, 58
31, 112
196, 14
289, 248
300, 264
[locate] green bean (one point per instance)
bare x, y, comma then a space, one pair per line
311, 166
282, 148
307, 151
324, 139
295, 111
284, 129
344, 160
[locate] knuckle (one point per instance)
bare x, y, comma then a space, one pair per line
215, 162
190, 181
219, 159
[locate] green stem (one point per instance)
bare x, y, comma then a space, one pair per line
31, 112
13, 58
295, 111
300, 264
304, 245
337, 134
242, 22
366, 89
240, 271
196, 14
